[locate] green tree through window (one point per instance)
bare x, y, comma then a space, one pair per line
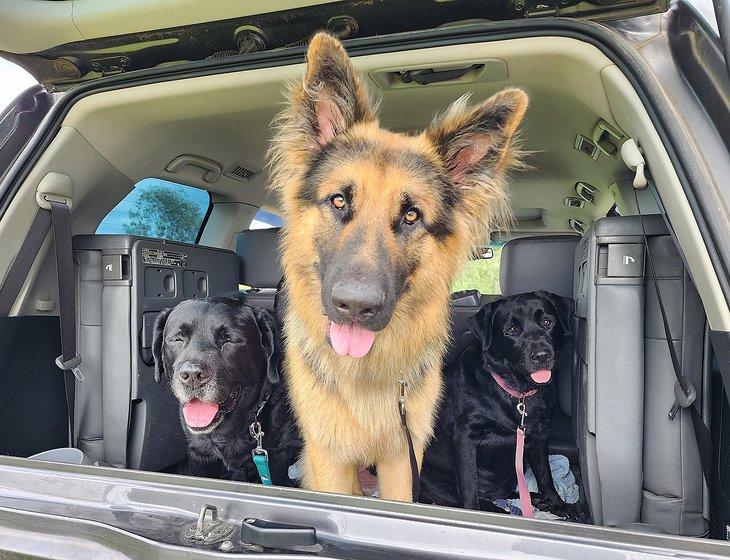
157, 208
161, 212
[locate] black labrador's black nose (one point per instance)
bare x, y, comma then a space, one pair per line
193, 375
541, 356
357, 302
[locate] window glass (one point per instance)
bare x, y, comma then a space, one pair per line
266, 220
157, 208
481, 274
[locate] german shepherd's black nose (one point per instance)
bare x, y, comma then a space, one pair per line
193, 375
356, 302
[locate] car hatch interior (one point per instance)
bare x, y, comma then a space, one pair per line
600, 217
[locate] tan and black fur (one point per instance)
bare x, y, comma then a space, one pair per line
329, 144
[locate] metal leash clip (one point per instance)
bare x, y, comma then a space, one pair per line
522, 411
258, 434
259, 454
402, 398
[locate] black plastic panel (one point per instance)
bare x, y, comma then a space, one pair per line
720, 425
32, 400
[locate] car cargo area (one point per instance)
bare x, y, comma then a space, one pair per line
581, 231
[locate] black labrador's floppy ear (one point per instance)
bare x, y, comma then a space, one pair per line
157, 340
269, 342
481, 324
564, 307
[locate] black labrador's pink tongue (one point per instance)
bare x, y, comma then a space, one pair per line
351, 340
541, 376
199, 414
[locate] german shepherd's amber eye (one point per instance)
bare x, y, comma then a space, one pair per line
547, 323
412, 216
338, 201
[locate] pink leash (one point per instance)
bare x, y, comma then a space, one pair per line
525, 501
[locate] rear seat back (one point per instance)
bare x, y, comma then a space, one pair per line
124, 418
259, 265
637, 465
538, 263
527, 264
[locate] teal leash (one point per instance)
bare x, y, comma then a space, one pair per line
259, 454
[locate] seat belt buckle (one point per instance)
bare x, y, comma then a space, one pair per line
682, 399
71, 365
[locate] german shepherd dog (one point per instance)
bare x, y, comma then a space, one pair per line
377, 225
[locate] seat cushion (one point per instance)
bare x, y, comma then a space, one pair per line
673, 480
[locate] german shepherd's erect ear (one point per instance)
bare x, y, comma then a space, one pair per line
475, 144
329, 101
334, 97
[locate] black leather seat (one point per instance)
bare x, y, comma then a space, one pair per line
260, 269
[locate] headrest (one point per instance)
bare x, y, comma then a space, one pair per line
258, 257
538, 263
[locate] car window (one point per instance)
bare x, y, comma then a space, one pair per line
157, 208
266, 220
480, 274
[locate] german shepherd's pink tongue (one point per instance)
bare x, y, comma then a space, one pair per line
351, 340
199, 414
541, 376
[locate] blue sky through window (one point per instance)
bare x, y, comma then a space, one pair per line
265, 220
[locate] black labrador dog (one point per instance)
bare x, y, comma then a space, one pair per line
223, 359
515, 342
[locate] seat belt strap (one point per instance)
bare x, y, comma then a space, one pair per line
22, 264
69, 360
684, 391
